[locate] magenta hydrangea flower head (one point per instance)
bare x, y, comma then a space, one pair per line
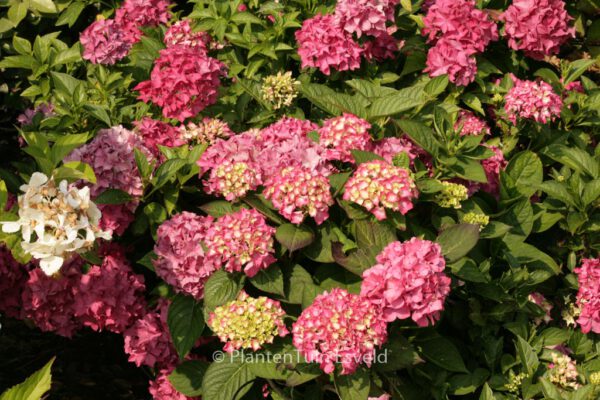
241, 241
181, 34
248, 322
366, 17
13, 277
184, 81
148, 342
182, 261
468, 123
161, 388
460, 21
449, 56
111, 296
538, 27
156, 133
377, 185
111, 156
408, 281
340, 327
588, 296
323, 44
340, 135
105, 41
297, 192
534, 100
48, 301
389, 148
383, 46
140, 13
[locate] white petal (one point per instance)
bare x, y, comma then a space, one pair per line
11, 226
51, 265
37, 179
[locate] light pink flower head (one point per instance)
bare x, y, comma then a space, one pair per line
323, 44
111, 156
182, 262
340, 327
408, 281
297, 192
105, 41
366, 17
181, 34
588, 296
539, 27
377, 185
340, 135
469, 124
450, 57
241, 241
207, 131
183, 82
534, 100
111, 296
156, 133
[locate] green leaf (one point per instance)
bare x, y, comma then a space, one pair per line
527, 356
71, 14
399, 353
221, 288
44, 6
68, 56
226, 380
558, 191
576, 69
65, 144
186, 322
98, 112
441, 352
467, 270
65, 82
458, 240
575, 158
147, 260
591, 193
526, 171
486, 393
113, 196
355, 386
550, 391
320, 249
3, 194
33, 388
187, 377
436, 85
391, 105
294, 237
420, 134
217, 208
142, 163
364, 156
167, 171
269, 280
23, 61
75, 170
22, 46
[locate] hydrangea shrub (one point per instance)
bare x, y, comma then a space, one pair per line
355, 199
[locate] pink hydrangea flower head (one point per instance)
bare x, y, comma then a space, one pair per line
366, 17
156, 133
182, 262
183, 82
408, 281
207, 131
233, 180
241, 241
248, 322
144, 12
538, 27
105, 41
161, 389
323, 44
460, 21
181, 34
575, 86
244, 148
49, 301
382, 47
532, 100
340, 135
111, 296
492, 167
339, 327
13, 277
46, 109
287, 128
111, 156
297, 192
388, 148
377, 185
588, 296
449, 56
147, 341
469, 124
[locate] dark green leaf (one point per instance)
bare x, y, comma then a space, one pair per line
294, 237
186, 322
458, 240
187, 377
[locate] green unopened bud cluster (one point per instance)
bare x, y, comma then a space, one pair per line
280, 90
451, 195
476, 219
515, 381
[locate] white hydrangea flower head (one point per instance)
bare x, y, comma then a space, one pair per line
55, 221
